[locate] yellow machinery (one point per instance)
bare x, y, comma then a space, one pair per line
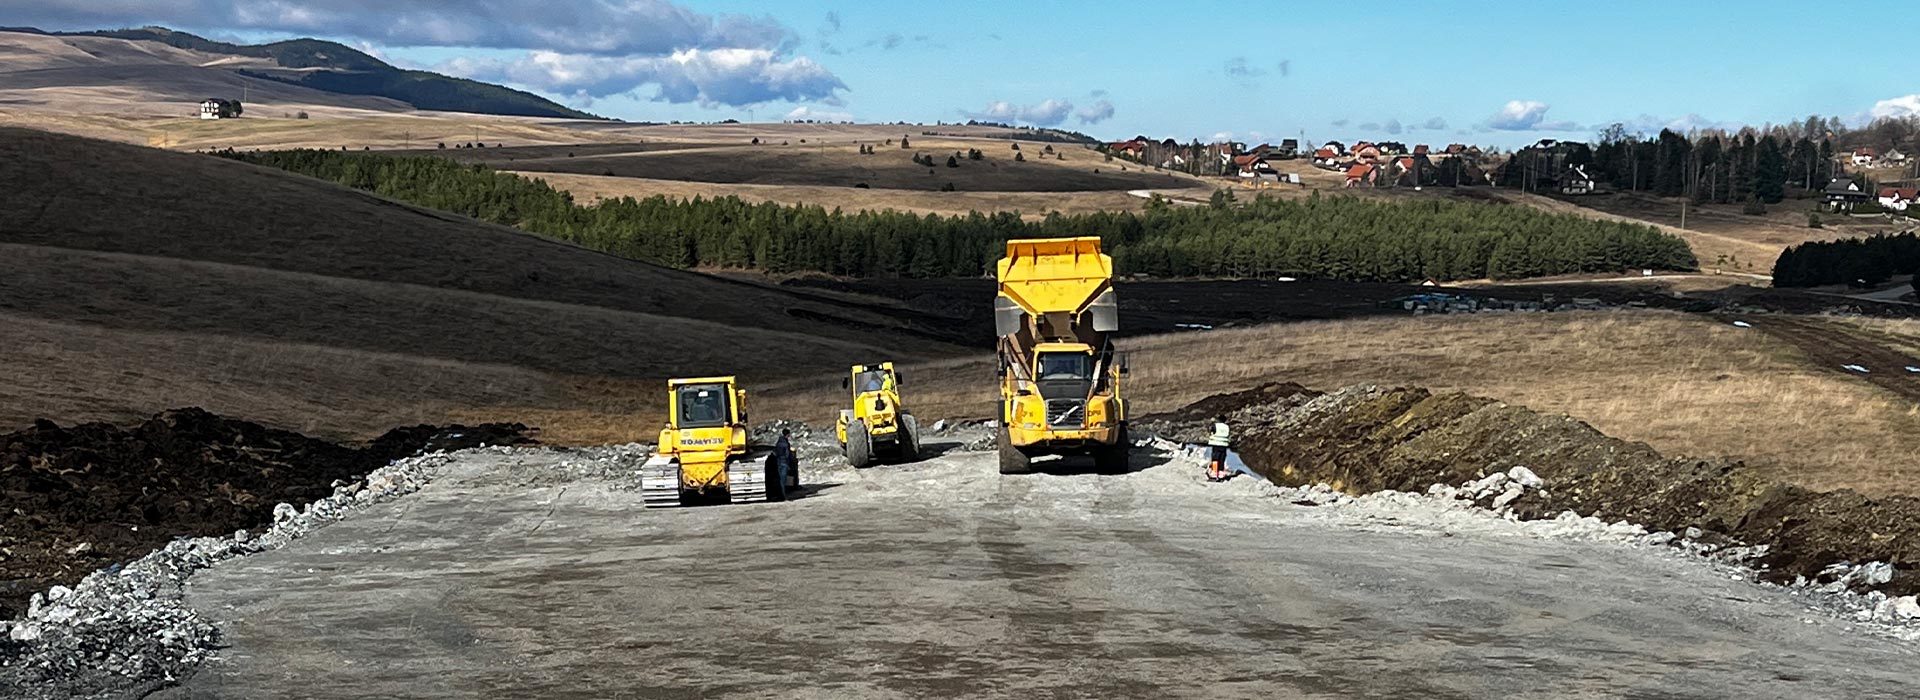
703, 456
878, 426
1059, 374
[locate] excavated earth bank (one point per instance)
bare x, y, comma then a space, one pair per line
1367, 438
96, 495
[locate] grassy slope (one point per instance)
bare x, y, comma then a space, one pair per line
117, 250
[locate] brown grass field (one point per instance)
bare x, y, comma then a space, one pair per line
1684, 384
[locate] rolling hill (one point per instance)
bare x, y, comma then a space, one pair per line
134, 280
55, 69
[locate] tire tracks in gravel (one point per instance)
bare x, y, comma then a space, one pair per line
1335, 675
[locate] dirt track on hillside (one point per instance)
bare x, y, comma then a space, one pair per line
1834, 347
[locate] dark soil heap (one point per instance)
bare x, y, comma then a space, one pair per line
1366, 438
77, 499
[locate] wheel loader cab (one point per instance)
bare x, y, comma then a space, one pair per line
878, 423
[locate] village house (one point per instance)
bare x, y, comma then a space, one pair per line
1326, 158
1255, 166
1421, 150
1366, 153
1898, 198
216, 108
1842, 194
1577, 182
1894, 157
1360, 175
1289, 149
1135, 148
1864, 157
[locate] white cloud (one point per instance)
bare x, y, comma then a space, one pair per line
580, 48
1049, 113
1435, 124
805, 113
1393, 126
1095, 113
604, 27
1519, 115
1527, 115
1220, 137
1897, 107
708, 77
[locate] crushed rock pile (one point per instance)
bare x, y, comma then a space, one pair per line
1366, 438
89, 496
125, 630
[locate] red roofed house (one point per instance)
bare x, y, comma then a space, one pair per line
1366, 152
1254, 166
1132, 148
1864, 157
1454, 149
1360, 175
1326, 157
1898, 198
1422, 150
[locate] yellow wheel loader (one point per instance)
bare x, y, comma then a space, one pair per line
878, 426
703, 456
1059, 373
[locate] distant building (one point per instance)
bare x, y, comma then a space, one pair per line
1366, 152
1422, 149
1864, 157
1289, 148
1898, 198
1842, 194
216, 108
1360, 175
1134, 148
1576, 182
1894, 157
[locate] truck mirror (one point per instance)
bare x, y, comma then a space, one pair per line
846, 383
1123, 363
899, 378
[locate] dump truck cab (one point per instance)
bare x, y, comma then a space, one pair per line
1060, 375
878, 424
703, 455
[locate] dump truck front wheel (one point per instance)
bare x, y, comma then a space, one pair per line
1112, 459
1012, 460
859, 445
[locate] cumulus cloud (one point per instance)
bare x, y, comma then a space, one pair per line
1342, 122
805, 113
1370, 126
1897, 107
1527, 115
1049, 113
1393, 126
1095, 113
582, 49
1220, 137
1436, 124
707, 77
605, 27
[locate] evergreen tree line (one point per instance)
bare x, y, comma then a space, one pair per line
1867, 261
1331, 237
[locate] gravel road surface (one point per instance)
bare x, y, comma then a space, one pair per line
945, 578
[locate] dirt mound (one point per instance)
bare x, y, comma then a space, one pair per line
1366, 438
94, 495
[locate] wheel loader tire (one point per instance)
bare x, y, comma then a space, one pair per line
1112, 459
909, 438
1012, 460
859, 445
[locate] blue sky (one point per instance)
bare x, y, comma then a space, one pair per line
1497, 72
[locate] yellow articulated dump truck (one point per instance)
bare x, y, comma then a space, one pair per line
1059, 374
703, 456
879, 425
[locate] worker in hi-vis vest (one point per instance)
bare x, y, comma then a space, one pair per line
1218, 441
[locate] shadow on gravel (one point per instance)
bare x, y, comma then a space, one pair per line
811, 490
1139, 460
1366, 438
